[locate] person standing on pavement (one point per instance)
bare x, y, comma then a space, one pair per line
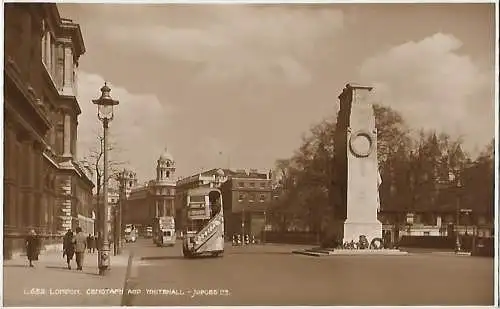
32, 247
68, 247
93, 242
89, 243
80, 241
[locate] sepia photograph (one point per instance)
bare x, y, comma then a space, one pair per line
234, 153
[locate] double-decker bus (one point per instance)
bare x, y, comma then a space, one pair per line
203, 223
164, 231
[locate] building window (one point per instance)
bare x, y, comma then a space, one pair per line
241, 197
251, 197
262, 185
262, 198
427, 233
241, 184
252, 184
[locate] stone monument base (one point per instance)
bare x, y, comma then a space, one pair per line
352, 230
349, 252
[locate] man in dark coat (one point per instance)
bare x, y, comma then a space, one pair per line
89, 243
32, 247
68, 247
93, 244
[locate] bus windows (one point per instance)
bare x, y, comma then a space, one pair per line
214, 198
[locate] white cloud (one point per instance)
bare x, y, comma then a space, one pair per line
137, 129
243, 41
435, 87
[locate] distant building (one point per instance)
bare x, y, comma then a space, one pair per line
155, 198
446, 213
45, 187
247, 195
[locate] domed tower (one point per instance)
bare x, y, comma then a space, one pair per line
165, 167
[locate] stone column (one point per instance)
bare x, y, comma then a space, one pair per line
48, 54
29, 183
172, 208
74, 140
165, 207
67, 135
20, 181
75, 79
68, 71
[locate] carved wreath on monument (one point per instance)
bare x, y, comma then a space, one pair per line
361, 144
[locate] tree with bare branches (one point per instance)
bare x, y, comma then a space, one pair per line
95, 159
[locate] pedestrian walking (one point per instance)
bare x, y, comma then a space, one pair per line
68, 247
80, 241
93, 243
89, 243
32, 247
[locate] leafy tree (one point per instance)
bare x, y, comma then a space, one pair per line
414, 171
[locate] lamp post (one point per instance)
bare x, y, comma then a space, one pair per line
265, 226
455, 177
121, 200
105, 106
243, 226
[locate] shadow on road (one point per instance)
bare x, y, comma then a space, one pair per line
57, 267
174, 257
152, 258
16, 265
259, 253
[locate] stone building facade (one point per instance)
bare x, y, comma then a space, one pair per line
155, 198
45, 187
247, 196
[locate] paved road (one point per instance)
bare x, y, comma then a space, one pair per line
270, 275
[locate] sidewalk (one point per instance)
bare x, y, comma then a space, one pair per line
50, 283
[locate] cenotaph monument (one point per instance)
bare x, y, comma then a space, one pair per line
356, 171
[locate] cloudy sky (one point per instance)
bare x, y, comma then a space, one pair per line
238, 85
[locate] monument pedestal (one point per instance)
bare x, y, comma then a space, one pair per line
352, 230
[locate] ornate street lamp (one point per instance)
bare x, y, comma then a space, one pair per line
458, 185
105, 106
